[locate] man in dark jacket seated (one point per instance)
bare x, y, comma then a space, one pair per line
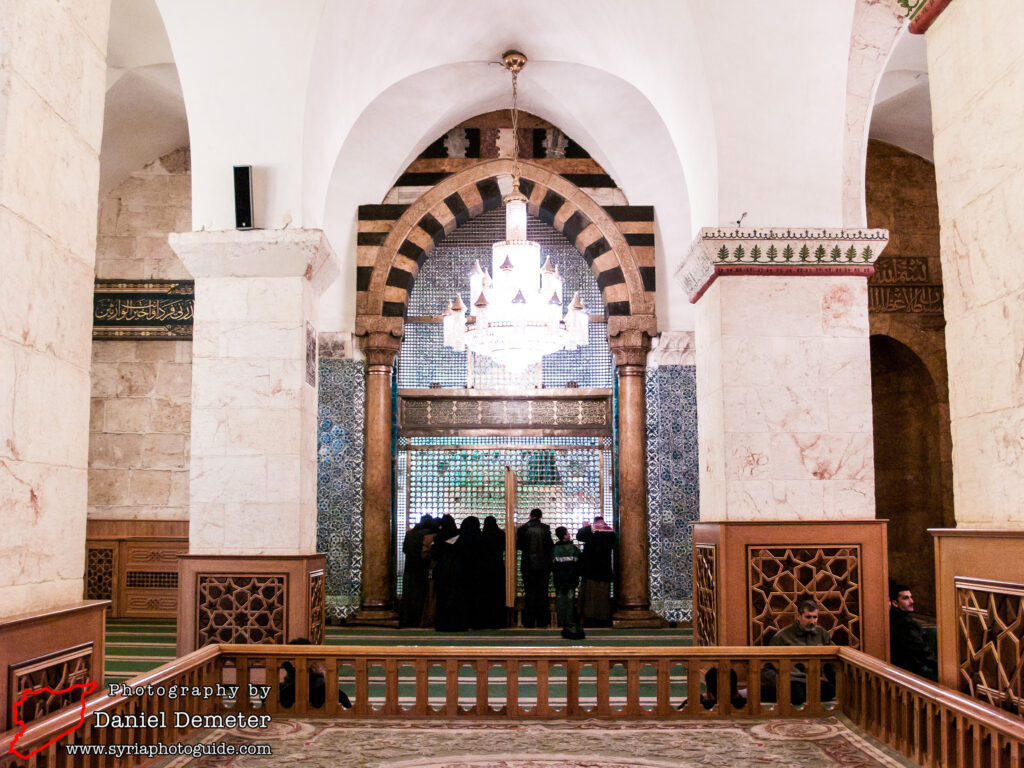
909, 647
317, 683
802, 632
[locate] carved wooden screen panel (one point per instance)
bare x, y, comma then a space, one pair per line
99, 572
705, 603
240, 609
317, 607
150, 579
990, 636
56, 671
780, 576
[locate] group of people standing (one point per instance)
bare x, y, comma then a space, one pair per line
454, 577
543, 558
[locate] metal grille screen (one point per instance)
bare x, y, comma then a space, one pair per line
568, 478
425, 360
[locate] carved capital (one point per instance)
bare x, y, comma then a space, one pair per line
370, 324
779, 251
380, 349
630, 347
672, 348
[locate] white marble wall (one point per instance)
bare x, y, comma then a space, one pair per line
52, 80
252, 483
139, 423
977, 114
784, 399
138, 430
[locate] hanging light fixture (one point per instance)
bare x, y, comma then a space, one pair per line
515, 311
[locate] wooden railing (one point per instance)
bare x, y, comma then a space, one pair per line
929, 724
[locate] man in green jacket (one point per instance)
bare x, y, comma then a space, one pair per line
804, 631
565, 570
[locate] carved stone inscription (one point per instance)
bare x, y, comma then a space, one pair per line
143, 309
902, 284
444, 412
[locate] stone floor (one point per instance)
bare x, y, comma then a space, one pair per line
820, 743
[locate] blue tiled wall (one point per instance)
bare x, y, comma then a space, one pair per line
340, 482
672, 486
671, 468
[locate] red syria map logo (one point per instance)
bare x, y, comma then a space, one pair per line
87, 688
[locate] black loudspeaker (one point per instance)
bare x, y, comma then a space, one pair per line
243, 197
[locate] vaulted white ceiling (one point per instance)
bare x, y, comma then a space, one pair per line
704, 110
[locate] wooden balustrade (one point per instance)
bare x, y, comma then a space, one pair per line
931, 725
639, 683
199, 669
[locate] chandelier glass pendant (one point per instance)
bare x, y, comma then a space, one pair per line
515, 317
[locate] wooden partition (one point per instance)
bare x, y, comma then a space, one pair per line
57, 648
931, 725
134, 565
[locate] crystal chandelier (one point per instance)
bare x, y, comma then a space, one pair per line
515, 317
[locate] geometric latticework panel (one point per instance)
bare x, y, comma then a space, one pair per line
705, 604
57, 672
781, 576
240, 609
99, 573
990, 636
568, 478
151, 579
317, 608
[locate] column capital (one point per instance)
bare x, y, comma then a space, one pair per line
258, 253
380, 348
672, 348
630, 347
778, 251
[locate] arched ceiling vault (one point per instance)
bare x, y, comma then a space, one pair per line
635, 150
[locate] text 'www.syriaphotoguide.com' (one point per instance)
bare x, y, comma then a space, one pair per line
160, 750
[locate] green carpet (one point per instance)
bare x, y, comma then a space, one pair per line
135, 646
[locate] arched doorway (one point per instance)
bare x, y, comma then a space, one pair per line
908, 486
473, 438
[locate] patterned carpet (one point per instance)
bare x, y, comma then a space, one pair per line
824, 743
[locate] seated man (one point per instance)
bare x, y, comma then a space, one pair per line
317, 683
909, 649
802, 632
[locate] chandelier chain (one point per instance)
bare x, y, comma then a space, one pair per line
515, 128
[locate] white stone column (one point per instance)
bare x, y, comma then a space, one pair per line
52, 81
977, 113
787, 489
253, 474
783, 373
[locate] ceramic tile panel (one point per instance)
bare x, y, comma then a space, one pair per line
672, 486
340, 482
